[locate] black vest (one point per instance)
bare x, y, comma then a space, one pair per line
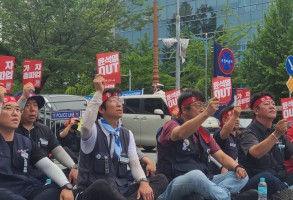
98, 164
13, 172
272, 162
183, 156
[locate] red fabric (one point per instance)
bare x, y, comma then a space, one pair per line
9, 99
289, 163
189, 100
206, 137
260, 100
107, 95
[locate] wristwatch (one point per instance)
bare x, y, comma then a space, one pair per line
143, 179
75, 166
67, 186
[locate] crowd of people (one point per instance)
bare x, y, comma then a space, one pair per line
103, 162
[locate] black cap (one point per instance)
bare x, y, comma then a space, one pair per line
39, 99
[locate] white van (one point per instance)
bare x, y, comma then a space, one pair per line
143, 115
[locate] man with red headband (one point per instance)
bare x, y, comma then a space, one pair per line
264, 148
18, 155
107, 150
183, 150
227, 136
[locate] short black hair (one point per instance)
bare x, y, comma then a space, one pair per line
189, 92
259, 95
111, 91
224, 111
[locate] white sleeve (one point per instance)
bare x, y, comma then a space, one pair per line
134, 164
62, 156
90, 116
52, 171
88, 145
22, 101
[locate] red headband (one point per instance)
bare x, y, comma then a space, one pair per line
107, 95
225, 116
189, 100
9, 99
260, 100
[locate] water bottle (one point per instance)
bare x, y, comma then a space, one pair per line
48, 181
262, 189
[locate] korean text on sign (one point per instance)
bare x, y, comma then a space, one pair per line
222, 88
32, 72
7, 71
108, 64
171, 98
287, 109
243, 98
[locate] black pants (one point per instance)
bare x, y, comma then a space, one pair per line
101, 190
51, 192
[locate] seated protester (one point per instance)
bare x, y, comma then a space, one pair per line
227, 136
107, 149
183, 153
41, 134
260, 152
69, 138
289, 163
18, 154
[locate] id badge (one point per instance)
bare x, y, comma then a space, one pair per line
43, 142
123, 160
24, 154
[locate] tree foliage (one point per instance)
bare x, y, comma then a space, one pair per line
65, 34
263, 66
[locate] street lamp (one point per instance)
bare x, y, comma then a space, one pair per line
205, 40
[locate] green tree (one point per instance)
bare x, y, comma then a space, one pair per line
66, 35
140, 62
263, 66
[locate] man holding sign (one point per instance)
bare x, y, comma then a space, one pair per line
183, 150
227, 136
264, 148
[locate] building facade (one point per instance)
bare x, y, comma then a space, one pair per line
205, 16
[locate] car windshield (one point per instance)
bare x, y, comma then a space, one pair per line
63, 102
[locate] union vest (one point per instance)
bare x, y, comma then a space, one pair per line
99, 165
14, 169
183, 156
272, 162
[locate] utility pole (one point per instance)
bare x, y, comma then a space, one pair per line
155, 45
178, 47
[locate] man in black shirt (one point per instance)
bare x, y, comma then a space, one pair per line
40, 133
18, 154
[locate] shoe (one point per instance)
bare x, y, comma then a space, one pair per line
246, 195
286, 194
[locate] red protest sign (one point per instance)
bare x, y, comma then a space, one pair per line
7, 71
287, 109
171, 98
32, 72
222, 88
108, 64
243, 98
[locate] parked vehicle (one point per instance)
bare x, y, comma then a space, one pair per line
69, 104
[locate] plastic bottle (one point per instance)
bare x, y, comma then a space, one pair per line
48, 181
262, 189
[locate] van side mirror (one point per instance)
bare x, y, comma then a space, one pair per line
159, 112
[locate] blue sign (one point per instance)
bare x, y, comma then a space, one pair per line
226, 61
133, 92
289, 65
65, 115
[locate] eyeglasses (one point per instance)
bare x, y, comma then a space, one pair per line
116, 100
198, 105
12, 109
